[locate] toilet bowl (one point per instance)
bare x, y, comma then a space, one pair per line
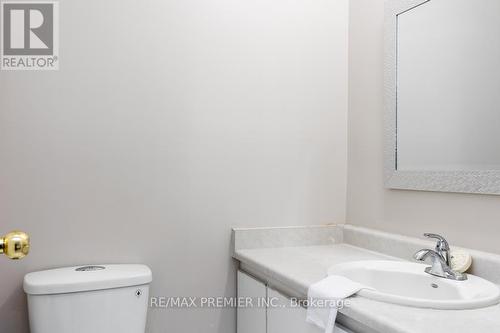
97, 299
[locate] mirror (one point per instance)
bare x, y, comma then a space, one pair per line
443, 95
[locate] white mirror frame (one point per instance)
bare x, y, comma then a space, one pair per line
482, 182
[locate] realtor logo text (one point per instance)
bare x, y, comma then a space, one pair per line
30, 35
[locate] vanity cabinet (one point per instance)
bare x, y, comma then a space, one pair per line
284, 318
278, 317
251, 319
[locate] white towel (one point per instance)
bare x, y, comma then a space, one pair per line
323, 297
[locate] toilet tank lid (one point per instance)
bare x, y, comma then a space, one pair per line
85, 278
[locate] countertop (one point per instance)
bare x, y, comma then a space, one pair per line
293, 269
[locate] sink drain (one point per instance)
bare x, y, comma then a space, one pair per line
433, 285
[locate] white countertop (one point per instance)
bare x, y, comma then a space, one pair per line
294, 269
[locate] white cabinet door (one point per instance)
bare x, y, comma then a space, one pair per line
251, 319
282, 317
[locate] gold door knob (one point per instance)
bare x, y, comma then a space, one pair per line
15, 245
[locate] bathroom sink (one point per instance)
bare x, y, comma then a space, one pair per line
406, 283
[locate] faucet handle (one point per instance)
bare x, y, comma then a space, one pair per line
442, 242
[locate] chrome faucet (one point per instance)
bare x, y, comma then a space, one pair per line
440, 259
442, 246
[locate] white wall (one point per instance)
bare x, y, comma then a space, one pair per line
168, 123
467, 220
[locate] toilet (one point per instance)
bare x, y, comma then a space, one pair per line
83, 299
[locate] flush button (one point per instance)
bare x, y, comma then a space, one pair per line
89, 268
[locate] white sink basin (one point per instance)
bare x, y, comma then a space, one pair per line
406, 283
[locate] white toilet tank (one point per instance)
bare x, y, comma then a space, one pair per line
84, 299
